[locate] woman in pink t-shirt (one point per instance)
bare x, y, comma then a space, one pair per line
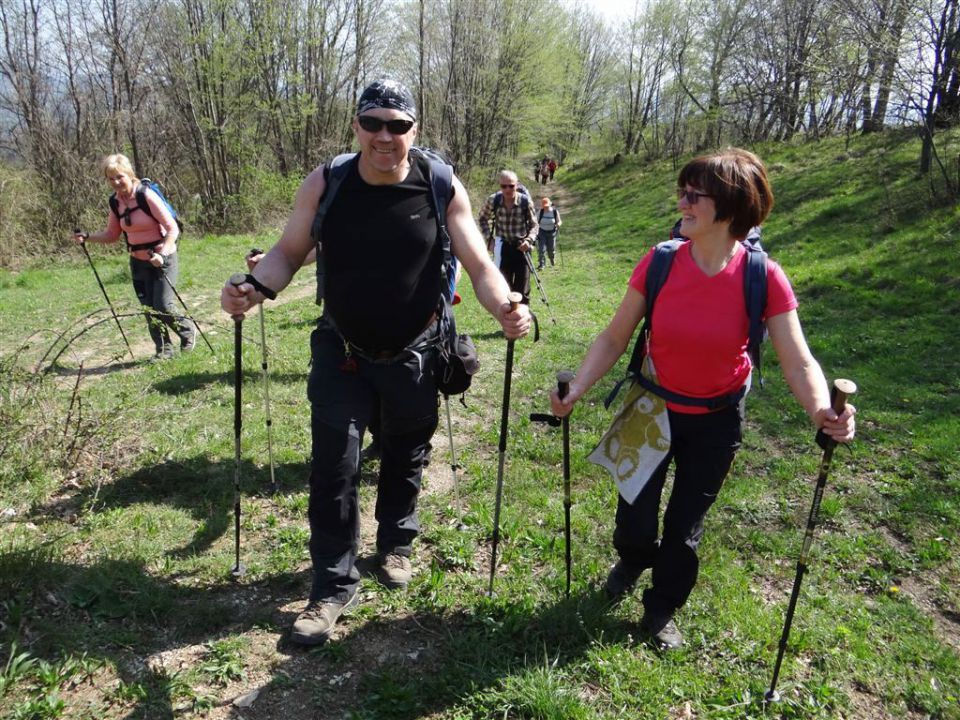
698, 347
151, 239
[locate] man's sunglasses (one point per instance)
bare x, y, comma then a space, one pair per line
692, 196
508, 185
375, 125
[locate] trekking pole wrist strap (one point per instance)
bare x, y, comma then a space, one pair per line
260, 287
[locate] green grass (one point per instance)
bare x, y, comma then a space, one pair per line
116, 548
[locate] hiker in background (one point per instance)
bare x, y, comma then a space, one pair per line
378, 334
151, 233
698, 351
549, 223
544, 169
507, 218
536, 171
552, 168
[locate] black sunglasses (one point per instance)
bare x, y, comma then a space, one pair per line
375, 124
692, 196
508, 185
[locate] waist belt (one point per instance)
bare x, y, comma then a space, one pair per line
417, 346
144, 246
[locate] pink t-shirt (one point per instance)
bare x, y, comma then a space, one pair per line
700, 324
142, 228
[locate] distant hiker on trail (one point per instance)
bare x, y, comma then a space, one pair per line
383, 258
698, 357
549, 222
552, 167
507, 218
544, 169
151, 233
536, 171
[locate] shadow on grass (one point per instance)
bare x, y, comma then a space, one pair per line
156, 633
252, 375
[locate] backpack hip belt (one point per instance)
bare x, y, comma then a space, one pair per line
385, 357
131, 248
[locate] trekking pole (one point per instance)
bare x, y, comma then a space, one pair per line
454, 466
266, 397
236, 280
187, 310
559, 246
838, 399
93, 267
543, 295
514, 298
563, 385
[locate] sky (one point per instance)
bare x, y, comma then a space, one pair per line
614, 11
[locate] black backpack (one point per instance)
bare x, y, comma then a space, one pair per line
458, 355
755, 296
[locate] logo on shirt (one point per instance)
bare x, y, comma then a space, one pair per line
415, 216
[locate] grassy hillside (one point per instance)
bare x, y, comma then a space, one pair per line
116, 492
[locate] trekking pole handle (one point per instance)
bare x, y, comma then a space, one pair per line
84, 235
237, 279
563, 382
842, 388
514, 299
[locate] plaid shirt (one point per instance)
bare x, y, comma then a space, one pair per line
513, 225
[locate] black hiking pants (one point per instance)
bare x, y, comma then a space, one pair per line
513, 266
342, 393
702, 448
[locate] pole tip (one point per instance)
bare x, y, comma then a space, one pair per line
238, 571
238, 279
771, 696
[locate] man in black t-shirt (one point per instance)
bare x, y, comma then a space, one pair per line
377, 334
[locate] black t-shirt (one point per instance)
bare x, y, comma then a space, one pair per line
382, 259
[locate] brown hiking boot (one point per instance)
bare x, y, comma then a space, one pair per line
314, 625
662, 631
395, 570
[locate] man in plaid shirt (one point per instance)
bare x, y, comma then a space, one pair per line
509, 217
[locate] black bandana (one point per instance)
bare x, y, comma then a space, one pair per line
388, 94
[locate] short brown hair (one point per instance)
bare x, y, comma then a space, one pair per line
737, 181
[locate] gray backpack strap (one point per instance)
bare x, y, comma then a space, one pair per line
334, 172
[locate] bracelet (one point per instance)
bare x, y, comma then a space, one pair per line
260, 287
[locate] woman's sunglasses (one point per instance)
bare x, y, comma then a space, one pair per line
692, 196
375, 125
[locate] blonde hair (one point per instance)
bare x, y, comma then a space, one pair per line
113, 164
545, 202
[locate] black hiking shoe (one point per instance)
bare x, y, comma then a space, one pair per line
662, 631
623, 576
314, 625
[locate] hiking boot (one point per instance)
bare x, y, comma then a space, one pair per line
188, 345
623, 576
394, 570
370, 452
662, 631
314, 625
165, 354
